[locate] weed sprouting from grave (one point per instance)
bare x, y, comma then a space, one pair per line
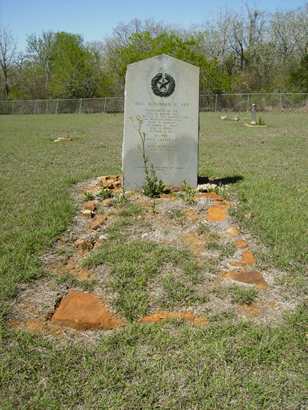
153, 186
188, 193
153, 207
120, 199
89, 196
105, 193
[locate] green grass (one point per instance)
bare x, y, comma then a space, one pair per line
243, 295
177, 293
273, 162
133, 264
226, 365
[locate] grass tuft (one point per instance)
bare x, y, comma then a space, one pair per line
243, 295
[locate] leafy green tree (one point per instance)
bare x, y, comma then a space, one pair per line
299, 77
142, 45
74, 67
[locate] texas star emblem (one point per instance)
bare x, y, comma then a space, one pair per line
163, 84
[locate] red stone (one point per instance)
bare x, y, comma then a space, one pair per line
249, 277
233, 231
83, 311
241, 244
84, 244
98, 221
110, 181
248, 258
90, 205
188, 316
217, 213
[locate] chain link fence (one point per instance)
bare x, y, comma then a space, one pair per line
208, 102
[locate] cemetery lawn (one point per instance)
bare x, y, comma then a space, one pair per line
226, 365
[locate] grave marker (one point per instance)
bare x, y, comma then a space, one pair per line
162, 105
253, 114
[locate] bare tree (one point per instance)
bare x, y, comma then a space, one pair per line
290, 33
214, 37
122, 32
7, 56
39, 51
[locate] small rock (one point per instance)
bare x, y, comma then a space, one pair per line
98, 221
63, 139
86, 212
248, 258
84, 244
233, 231
90, 205
107, 202
110, 181
251, 310
241, 244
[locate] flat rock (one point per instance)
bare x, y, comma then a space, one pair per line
97, 221
217, 213
90, 205
213, 196
249, 277
187, 316
84, 244
84, 311
194, 242
241, 244
110, 181
233, 231
249, 310
247, 258
192, 215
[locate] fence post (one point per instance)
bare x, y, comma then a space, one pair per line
57, 106
248, 102
80, 106
280, 102
216, 97
105, 102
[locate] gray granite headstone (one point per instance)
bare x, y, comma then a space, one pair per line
161, 106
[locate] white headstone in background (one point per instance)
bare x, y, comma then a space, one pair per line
162, 103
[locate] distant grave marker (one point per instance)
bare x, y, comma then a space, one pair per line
162, 105
253, 114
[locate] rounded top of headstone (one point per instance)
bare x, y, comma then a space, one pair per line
164, 59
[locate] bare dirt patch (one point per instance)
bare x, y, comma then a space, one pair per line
212, 255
